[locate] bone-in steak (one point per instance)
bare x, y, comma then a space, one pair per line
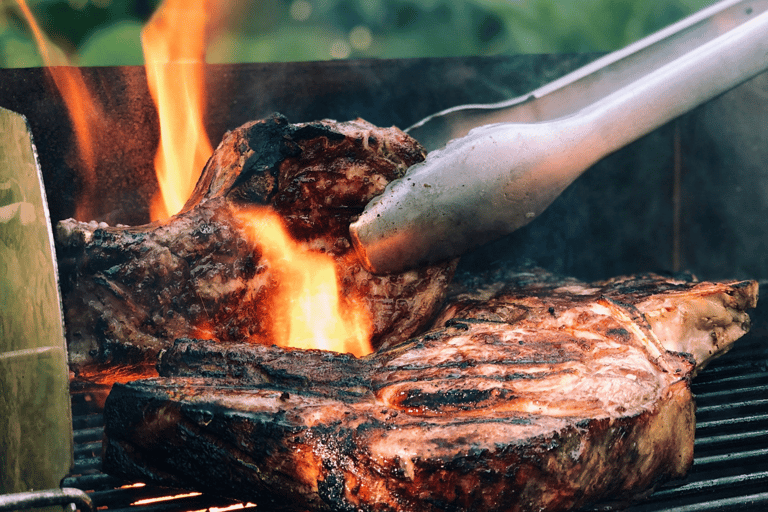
540, 393
128, 292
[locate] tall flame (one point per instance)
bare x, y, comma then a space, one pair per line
82, 108
309, 309
174, 44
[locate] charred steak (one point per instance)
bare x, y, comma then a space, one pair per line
128, 292
540, 393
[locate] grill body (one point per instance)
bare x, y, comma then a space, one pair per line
689, 196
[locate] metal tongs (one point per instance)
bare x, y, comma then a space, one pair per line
505, 163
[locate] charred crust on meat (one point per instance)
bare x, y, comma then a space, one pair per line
332, 491
620, 333
269, 144
463, 323
315, 130
450, 400
741, 285
457, 324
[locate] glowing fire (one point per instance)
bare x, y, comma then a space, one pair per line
183, 496
309, 310
83, 110
174, 45
149, 501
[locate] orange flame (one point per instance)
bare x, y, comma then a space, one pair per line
310, 311
83, 109
149, 501
183, 496
174, 43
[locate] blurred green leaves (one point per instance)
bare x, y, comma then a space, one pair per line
542, 26
115, 44
95, 32
107, 32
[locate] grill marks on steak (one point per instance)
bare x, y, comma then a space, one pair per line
675, 314
520, 371
539, 394
128, 292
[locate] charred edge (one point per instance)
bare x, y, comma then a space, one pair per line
191, 445
495, 378
397, 421
630, 309
619, 332
462, 323
314, 131
346, 390
648, 283
112, 351
192, 357
634, 315
269, 141
332, 491
458, 398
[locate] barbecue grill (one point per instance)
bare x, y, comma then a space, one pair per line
689, 196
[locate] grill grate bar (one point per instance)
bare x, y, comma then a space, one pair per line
730, 372
704, 485
87, 421
94, 482
751, 376
84, 450
86, 465
752, 502
112, 493
727, 393
732, 438
732, 405
88, 434
730, 457
703, 425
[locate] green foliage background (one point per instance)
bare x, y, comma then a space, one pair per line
107, 32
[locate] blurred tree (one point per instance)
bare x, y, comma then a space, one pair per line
72, 25
107, 32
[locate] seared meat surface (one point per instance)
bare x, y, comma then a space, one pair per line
128, 292
539, 393
699, 318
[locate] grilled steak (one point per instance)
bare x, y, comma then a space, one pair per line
539, 393
128, 292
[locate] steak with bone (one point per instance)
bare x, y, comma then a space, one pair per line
128, 292
532, 393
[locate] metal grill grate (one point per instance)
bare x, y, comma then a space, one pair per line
730, 470
115, 494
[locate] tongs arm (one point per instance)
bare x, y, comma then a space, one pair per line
594, 81
499, 177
